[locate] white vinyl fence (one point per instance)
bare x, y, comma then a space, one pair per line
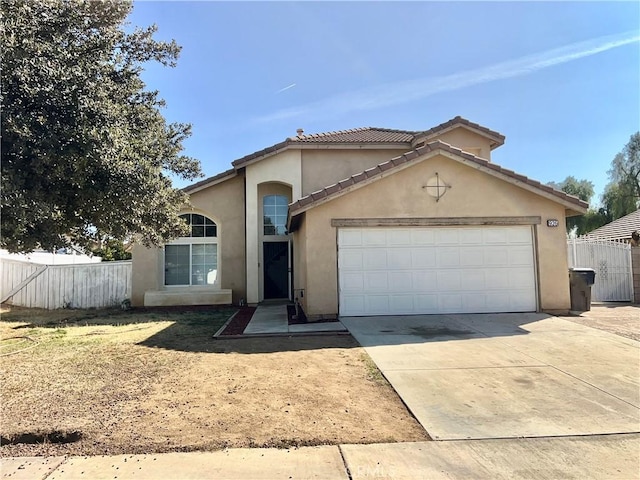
612, 262
94, 285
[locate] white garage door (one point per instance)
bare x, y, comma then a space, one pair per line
414, 270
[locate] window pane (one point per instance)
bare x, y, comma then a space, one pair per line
210, 231
197, 231
197, 219
269, 200
269, 230
208, 221
204, 264
176, 265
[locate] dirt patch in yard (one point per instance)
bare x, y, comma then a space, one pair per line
621, 319
145, 382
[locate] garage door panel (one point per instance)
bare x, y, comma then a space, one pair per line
425, 281
374, 258
520, 278
399, 258
496, 235
353, 281
450, 302
472, 236
448, 257
519, 235
496, 278
447, 236
495, 256
401, 281
427, 303
436, 270
350, 237
421, 236
401, 303
350, 260
449, 280
374, 237
520, 256
399, 237
377, 304
376, 281
352, 304
422, 257
470, 279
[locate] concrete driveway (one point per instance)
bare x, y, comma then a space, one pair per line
506, 375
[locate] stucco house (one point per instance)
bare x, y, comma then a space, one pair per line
369, 221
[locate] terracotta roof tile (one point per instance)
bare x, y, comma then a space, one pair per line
358, 135
407, 157
498, 137
194, 186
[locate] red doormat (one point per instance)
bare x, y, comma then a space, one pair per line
239, 322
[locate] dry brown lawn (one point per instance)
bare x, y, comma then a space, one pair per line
111, 382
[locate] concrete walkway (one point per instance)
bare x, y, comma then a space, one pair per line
273, 319
595, 457
506, 375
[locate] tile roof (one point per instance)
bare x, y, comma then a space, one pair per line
358, 135
202, 183
336, 189
619, 229
497, 137
370, 135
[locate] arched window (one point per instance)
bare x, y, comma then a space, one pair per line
274, 208
193, 260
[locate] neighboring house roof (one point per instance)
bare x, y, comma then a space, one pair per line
374, 136
402, 161
620, 229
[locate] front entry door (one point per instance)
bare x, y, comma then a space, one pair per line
276, 269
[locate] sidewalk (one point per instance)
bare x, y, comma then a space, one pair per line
273, 319
597, 457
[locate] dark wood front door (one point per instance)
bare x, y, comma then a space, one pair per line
276, 269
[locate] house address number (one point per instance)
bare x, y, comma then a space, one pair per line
552, 222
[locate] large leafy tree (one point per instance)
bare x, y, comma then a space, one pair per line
86, 152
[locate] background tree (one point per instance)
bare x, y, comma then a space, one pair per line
621, 195
86, 152
583, 189
112, 250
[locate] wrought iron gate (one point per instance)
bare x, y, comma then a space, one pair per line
612, 262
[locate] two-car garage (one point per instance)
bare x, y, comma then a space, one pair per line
436, 269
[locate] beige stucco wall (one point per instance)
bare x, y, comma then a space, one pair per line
472, 194
224, 204
284, 168
299, 238
268, 189
321, 168
466, 140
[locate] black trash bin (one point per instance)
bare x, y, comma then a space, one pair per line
580, 281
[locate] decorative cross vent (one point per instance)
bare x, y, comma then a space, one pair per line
436, 187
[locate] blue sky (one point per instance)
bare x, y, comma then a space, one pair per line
561, 80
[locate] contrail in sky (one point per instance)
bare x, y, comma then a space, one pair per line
410, 90
286, 88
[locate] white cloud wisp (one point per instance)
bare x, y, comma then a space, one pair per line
403, 92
